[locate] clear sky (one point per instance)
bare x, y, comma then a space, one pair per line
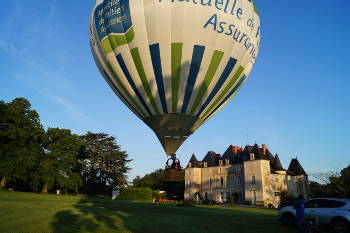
296, 99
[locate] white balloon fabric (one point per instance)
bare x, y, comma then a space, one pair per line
175, 63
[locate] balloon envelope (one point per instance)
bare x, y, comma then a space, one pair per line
175, 63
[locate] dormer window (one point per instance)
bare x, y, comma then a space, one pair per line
220, 162
227, 162
189, 165
205, 164
252, 156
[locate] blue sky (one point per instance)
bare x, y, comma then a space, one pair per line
296, 99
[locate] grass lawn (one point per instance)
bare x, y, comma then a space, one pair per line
29, 212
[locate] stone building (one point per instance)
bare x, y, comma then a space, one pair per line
252, 174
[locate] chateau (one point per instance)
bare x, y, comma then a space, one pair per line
252, 174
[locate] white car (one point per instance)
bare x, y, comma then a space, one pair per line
328, 211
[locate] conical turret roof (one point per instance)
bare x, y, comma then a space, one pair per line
277, 166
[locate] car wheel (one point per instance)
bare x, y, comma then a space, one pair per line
288, 220
340, 226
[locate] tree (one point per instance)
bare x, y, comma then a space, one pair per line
60, 166
21, 136
105, 165
154, 180
333, 184
340, 185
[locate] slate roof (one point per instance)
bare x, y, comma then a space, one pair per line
194, 162
193, 159
276, 164
295, 168
212, 159
237, 155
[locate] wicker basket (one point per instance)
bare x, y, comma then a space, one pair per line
172, 175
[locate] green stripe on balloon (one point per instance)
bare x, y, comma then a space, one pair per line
228, 99
255, 9
141, 71
120, 84
227, 88
111, 42
176, 56
213, 66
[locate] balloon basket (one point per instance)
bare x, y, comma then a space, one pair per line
172, 175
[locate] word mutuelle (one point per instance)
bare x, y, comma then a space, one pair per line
229, 29
228, 6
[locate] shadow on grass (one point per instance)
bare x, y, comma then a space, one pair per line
102, 215
88, 215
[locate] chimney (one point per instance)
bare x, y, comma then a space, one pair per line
235, 150
264, 148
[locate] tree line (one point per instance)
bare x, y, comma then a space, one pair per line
35, 159
331, 184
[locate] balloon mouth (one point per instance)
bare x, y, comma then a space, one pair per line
172, 129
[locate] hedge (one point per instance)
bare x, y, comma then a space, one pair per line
135, 194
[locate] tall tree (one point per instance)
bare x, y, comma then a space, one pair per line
154, 180
21, 135
333, 184
105, 166
60, 166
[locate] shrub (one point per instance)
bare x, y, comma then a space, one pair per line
189, 203
135, 194
233, 199
287, 200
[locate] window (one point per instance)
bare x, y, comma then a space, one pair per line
220, 162
189, 183
228, 196
205, 196
325, 203
222, 196
253, 179
227, 162
219, 170
252, 156
227, 181
205, 164
239, 180
240, 197
209, 182
311, 204
222, 181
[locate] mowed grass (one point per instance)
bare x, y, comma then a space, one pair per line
29, 212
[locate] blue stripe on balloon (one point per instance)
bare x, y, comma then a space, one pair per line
228, 69
196, 62
228, 96
131, 82
121, 94
158, 73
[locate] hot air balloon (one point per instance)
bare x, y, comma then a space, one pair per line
175, 63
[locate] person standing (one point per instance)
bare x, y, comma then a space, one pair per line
299, 209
